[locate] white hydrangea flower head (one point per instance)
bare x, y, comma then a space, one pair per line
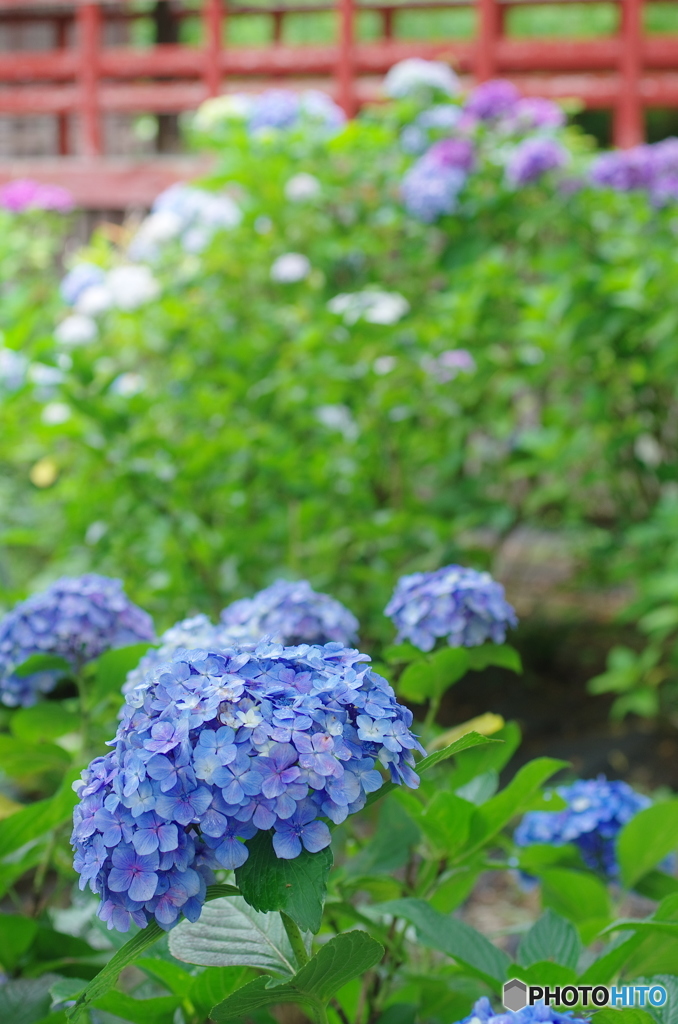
222, 109
132, 286
372, 305
76, 330
302, 187
95, 300
413, 74
290, 268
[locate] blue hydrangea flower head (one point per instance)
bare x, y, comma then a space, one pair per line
465, 606
430, 190
283, 109
291, 613
484, 1014
76, 618
596, 812
78, 280
214, 746
532, 158
195, 632
493, 99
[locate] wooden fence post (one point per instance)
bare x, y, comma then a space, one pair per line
629, 126
488, 34
213, 16
345, 71
89, 26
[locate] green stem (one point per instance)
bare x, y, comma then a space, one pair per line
321, 1015
84, 713
296, 939
433, 708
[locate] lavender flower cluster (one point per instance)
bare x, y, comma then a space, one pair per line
77, 618
283, 109
215, 746
465, 606
652, 169
24, 194
291, 613
431, 188
538, 1014
596, 812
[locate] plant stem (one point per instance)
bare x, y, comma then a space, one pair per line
296, 940
321, 1015
433, 707
84, 712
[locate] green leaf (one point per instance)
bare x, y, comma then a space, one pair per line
499, 655
465, 742
646, 839
174, 978
26, 1000
610, 963
576, 895
431, 676
535, 859
159, 1010
112, 667
214, 984
45, 721
656, 885
20, 759
401, 653
343, 958
492, 816
645, 927
445, 822
544, 972
127, 954
16, 937
492, 757
34, 821
668, 1013
632, 1015
452, 936
296, 886
42, 663
230, 933
390, 846
551, 938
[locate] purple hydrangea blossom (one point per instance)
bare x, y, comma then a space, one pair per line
24, 194
77, 618
596, 812
492, 100
532, 158
651, 168
484, 1014
291, 613
534, 112
431, 186
465, 606
216, 745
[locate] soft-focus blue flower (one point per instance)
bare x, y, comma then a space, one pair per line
77, 618
650, 168
465, 606
196, 631
484, 1014
218, 743
532, 158
491, 100
291, 613
283, 109
78, 280
429, 192
596, 812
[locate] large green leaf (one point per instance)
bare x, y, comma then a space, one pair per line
493, 815
491, 757
230, 933
577, 895
343, 958
19, 758
452, 936
112, 667
296, 886
42, 663
432, 675
45, 721
465, 742
127, 954
550, 938
631, 1015
33, 821
390, 846
499, 655
668, 1013
646, 839
26, 1000
159, 1010
213, 985
16, 937
445, 822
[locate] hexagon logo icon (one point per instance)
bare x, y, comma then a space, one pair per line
515, 994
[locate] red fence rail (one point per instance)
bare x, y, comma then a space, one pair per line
81, 75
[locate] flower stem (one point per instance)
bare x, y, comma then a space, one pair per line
434, 705
296, 940
321, 1015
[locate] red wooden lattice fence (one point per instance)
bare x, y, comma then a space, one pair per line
82, 76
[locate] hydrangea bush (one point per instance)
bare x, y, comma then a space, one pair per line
75, 619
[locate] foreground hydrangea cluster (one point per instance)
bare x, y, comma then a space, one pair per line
291, 613
596, 812
77, 618
539, 1014
214, 746
465, 606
